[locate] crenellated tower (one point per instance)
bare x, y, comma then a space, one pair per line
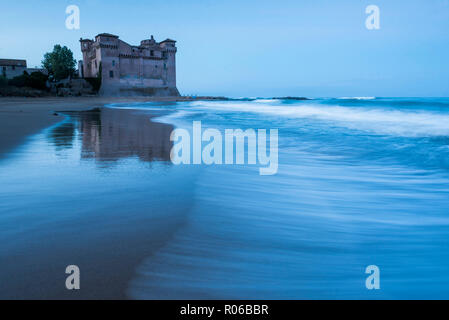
149, 68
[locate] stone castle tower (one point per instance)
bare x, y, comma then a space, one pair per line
147, 69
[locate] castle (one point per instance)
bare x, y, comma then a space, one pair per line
124, 69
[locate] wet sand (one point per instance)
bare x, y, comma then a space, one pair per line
106, 237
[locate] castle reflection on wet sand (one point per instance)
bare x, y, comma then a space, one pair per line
108, 135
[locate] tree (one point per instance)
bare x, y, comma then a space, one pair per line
60, 62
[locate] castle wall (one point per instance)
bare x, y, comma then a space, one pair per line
148, 68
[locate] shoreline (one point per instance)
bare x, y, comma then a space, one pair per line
23, 117
97, 236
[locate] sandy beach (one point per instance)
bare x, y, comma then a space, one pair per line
21, 117
109, 247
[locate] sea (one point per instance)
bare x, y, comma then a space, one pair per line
361, 181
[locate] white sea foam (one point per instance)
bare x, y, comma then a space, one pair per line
266, 100
356, 98
173, 117
374, 120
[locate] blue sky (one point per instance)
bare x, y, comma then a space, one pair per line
264, 48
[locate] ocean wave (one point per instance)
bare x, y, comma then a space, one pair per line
266, 100
407, 123
174, 118
356, 98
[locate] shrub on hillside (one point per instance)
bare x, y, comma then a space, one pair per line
38, 80
95, 83
35, 80
3, 81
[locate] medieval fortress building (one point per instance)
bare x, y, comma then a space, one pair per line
148, 69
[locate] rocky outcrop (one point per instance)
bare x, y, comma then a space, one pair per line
72, 87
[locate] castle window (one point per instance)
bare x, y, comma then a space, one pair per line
152, 53
113, 63
111, 74
165, 66
95, 63
14, 67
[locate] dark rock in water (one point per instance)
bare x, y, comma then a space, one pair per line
188, 98
292, 98
55, 114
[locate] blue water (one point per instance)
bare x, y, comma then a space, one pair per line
361, 181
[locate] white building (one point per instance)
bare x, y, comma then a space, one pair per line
11, 68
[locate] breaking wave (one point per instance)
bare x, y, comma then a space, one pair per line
404, 122
356, 98
360, 182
